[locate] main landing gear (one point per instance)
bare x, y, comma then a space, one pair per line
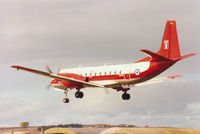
125, 95
79, 94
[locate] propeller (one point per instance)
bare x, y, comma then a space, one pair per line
60, 68
48, 86
51, 72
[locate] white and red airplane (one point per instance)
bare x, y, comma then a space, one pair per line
120, 77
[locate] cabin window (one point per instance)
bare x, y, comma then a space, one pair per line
100, 73
110, 73
105, 73
115, 72
95, 73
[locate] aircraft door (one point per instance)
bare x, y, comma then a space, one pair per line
127, 72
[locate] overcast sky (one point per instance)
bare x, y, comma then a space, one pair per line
36, 33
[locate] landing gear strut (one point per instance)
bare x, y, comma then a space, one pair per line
79, 94
125, 95
66, 100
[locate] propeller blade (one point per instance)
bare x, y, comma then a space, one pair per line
60, 68
106, 91
48, 86
49, 70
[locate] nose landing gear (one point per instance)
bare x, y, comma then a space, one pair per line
66, 100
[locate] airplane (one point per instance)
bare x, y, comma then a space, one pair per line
123, 76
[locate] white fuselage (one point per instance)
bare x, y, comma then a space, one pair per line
108, 70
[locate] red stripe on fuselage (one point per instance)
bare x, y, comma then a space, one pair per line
155, 69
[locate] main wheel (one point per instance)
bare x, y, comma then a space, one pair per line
66, 100
79, 94
126, 96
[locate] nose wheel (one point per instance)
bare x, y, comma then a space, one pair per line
66, 100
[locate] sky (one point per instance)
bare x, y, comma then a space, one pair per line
69, 33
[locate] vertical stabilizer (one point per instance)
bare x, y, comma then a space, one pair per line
170, 45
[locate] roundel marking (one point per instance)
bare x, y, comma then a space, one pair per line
137, 72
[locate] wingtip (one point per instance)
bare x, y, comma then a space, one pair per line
142, 50
195, 53
13, 66
175, 76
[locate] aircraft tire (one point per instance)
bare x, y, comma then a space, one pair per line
77, 94
66, 100
126, 96
80, 94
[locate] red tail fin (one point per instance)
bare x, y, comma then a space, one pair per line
170, 45
169, 49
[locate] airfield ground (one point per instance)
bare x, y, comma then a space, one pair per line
84, 130
34, 130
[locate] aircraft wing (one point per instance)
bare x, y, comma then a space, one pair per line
156, 80
57, 76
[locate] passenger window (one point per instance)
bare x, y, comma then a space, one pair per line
115, 72
100, 73
109, 73
105, 73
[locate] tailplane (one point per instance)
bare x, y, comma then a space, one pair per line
154, 56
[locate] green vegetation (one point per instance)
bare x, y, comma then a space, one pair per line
24, 124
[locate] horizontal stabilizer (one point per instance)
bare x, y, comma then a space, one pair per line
157, 80
175, 76
154, 56
187, 56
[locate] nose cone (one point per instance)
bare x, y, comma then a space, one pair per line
54, 81
57, 84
